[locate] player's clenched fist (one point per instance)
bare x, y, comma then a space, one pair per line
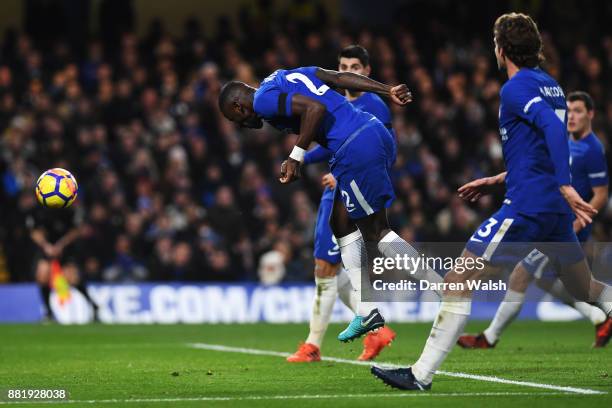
329, 181
400, 94
290, 171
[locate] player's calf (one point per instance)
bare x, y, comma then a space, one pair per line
452, 317
579, 282
326, 292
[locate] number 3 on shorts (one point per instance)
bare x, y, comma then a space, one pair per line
486, 230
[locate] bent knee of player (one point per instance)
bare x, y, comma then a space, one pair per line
455, 285
324, 269
455, 278
468, 267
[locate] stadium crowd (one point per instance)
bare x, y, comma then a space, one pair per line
169, 190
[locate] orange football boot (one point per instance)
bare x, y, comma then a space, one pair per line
603, 332
375, 341
474, 341
306, 353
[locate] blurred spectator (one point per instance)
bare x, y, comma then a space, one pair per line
125, 267
182, 267
272, 264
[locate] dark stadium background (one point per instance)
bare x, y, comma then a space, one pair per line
123, 94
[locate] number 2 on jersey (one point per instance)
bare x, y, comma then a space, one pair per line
350, 207
296, 76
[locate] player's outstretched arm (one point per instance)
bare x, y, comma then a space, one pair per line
475, 189
354, 82
311, 113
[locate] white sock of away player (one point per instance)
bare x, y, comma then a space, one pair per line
326, 291
506, 313
593, 313
347, 294
448, 326
353, 252
392, 244
604, 301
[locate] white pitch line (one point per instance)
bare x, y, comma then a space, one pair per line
574, 390
288, 397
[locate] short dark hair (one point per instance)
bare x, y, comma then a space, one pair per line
517, 34
582, 96
229, 93
356, 51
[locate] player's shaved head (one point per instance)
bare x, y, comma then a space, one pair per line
519, 38
236, 104
231, 92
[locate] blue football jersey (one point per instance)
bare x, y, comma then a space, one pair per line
372, 103
531, 186
273, 103
588, 165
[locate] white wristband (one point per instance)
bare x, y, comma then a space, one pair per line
297, 154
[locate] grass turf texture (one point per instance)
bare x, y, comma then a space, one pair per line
100, 362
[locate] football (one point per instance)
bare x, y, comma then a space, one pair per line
56, 188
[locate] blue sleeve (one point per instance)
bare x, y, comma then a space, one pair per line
312, 70
269, 101
597, 167
523, 100
556, 140
317, 154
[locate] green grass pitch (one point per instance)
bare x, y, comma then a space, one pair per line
104, 365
